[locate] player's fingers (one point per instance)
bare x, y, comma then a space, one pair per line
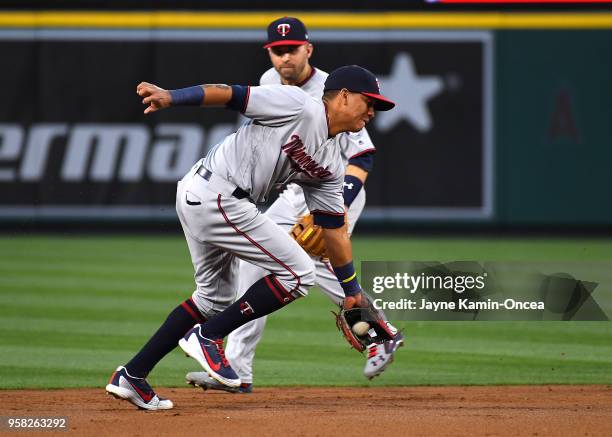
356, 301
146, 90
359, 300
349, 302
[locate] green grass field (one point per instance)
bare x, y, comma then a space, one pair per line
73, 308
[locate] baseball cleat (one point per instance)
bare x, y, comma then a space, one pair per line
135, 390
380, 355
211, 356
201, 379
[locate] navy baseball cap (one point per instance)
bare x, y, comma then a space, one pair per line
357, 79
286, 31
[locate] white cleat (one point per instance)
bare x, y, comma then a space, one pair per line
201, 379
380, 355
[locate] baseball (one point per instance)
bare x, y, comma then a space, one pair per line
361, 328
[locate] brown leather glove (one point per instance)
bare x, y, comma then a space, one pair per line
309, 236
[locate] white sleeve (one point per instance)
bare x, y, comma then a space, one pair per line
274, 105
325, 197
357, 143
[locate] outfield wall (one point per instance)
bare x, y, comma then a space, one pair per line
502, 119
554, 127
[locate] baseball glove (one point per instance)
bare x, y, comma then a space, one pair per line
309, 236
379, 329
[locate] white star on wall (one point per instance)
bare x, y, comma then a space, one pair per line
410, 93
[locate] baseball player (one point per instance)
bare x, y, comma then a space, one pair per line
291, 138
290, 50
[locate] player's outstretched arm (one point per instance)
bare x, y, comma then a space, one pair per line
340, 255
157, 98
338, 245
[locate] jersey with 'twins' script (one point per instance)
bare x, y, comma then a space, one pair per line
286, 141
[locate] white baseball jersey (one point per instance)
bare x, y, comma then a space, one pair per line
287, 140
285, 211
351, 144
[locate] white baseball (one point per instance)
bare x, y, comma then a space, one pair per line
361, 328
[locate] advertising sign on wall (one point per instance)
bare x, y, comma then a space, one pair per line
75, 143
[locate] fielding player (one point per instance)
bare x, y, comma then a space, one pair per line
291, 138
289, 49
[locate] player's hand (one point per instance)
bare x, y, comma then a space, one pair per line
356, 301
155, 97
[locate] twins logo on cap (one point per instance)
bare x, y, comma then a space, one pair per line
286, 31
283, 29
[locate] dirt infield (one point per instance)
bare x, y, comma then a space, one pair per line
440, 411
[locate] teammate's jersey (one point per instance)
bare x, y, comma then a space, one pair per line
351, 144
313, 85
287, 140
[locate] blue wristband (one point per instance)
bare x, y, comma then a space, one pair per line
348, 279
328, 220
351, 187
192, 96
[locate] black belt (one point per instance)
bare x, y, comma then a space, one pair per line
238, 193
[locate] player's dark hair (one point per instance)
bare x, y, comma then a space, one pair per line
330, 95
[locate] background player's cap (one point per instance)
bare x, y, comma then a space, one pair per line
358, 80
286, 31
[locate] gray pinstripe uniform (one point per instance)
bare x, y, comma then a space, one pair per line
285, 141
285, 211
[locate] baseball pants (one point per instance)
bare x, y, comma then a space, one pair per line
221, 229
